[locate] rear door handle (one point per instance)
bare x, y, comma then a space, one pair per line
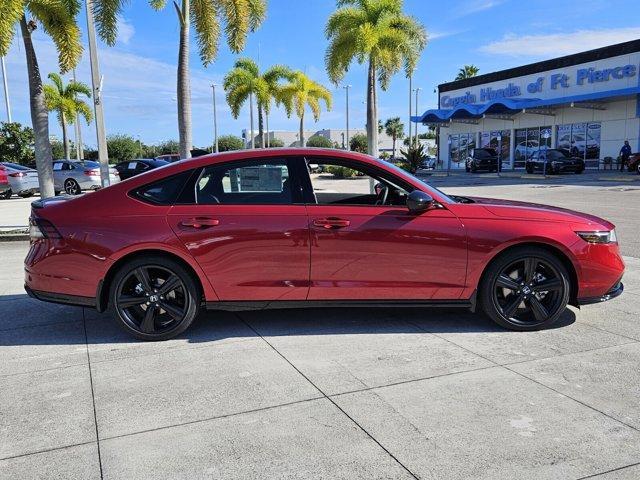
331, 223
200, 222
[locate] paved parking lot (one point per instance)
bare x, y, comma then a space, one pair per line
329, 393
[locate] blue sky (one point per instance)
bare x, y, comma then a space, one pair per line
139, 72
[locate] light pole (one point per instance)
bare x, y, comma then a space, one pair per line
416, 142
499, 152
6, 89
96, 83
347, 87
215, 120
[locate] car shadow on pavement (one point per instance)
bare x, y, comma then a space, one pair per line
48, 324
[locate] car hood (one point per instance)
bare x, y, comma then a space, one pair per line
535, 211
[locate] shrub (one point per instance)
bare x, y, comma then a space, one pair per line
320, 142
276, 143
230, 142
340, 172
358, 143
413, 158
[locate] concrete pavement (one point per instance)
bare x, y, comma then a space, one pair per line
320, 393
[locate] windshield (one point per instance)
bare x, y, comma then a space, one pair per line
89, 164
485, 153
556, 155
427, 187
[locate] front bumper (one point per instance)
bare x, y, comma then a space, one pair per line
616, 291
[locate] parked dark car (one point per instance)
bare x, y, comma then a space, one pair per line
482, 159
131, 168
557, 160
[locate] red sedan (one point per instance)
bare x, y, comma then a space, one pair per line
256, 229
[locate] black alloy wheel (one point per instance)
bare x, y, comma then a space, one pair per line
527, 290
155, 298
71, 187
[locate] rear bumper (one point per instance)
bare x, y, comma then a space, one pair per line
616, 291
61, 298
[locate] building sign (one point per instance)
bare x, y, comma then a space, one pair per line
551, 82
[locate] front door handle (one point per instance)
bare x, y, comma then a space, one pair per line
331, 223
200, 222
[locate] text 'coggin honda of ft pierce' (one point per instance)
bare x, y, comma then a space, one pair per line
256, 229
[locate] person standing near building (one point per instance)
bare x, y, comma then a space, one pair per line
625, 153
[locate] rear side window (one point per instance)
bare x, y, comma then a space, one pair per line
165, 191
253, 182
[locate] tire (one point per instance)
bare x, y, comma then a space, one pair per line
529, 169
26, 194
6, 195
57, 192
174, 310
579, 171
71, 187
516, 304
473, 168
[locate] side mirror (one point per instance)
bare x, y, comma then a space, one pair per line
418, 201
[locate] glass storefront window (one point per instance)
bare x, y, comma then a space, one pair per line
529, 141
580, 140
460, 147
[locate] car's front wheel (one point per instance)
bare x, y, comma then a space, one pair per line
155, 298
525, 289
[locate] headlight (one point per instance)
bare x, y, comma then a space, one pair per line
599, 237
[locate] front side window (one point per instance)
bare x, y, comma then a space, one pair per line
252, 182
342, 183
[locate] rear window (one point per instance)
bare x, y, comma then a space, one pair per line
165, 191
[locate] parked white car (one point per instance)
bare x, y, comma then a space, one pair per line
23, 181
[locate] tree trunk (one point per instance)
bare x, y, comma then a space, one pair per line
260, 125
65, 137
394, 146
39, 116
183, 84
266, 118
372, 114
302, 142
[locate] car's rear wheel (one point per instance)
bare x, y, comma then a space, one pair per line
155, 298
6, 194
525, 289
25, 194
71, 187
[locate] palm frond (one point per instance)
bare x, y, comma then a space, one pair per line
236, 23
205, 23
84, 110
106, 13
57, 82
75, 88
10, 13
257, 10
58, 21
249, 65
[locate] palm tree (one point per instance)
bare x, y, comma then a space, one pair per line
395, 129
467, 71
301, 92
245, 82
239, 16
376, 32
63, 99
58, 19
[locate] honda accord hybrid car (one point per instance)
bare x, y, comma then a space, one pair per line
256, 229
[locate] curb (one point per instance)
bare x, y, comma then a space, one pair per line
14, 237
619, 179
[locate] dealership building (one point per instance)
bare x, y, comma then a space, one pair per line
587, 103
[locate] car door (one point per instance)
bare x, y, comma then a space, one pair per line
366, 247
247, 228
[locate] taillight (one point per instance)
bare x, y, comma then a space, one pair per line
18, 174
92, 173
40, 228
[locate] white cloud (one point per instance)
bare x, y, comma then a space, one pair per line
125, 31
556, 44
